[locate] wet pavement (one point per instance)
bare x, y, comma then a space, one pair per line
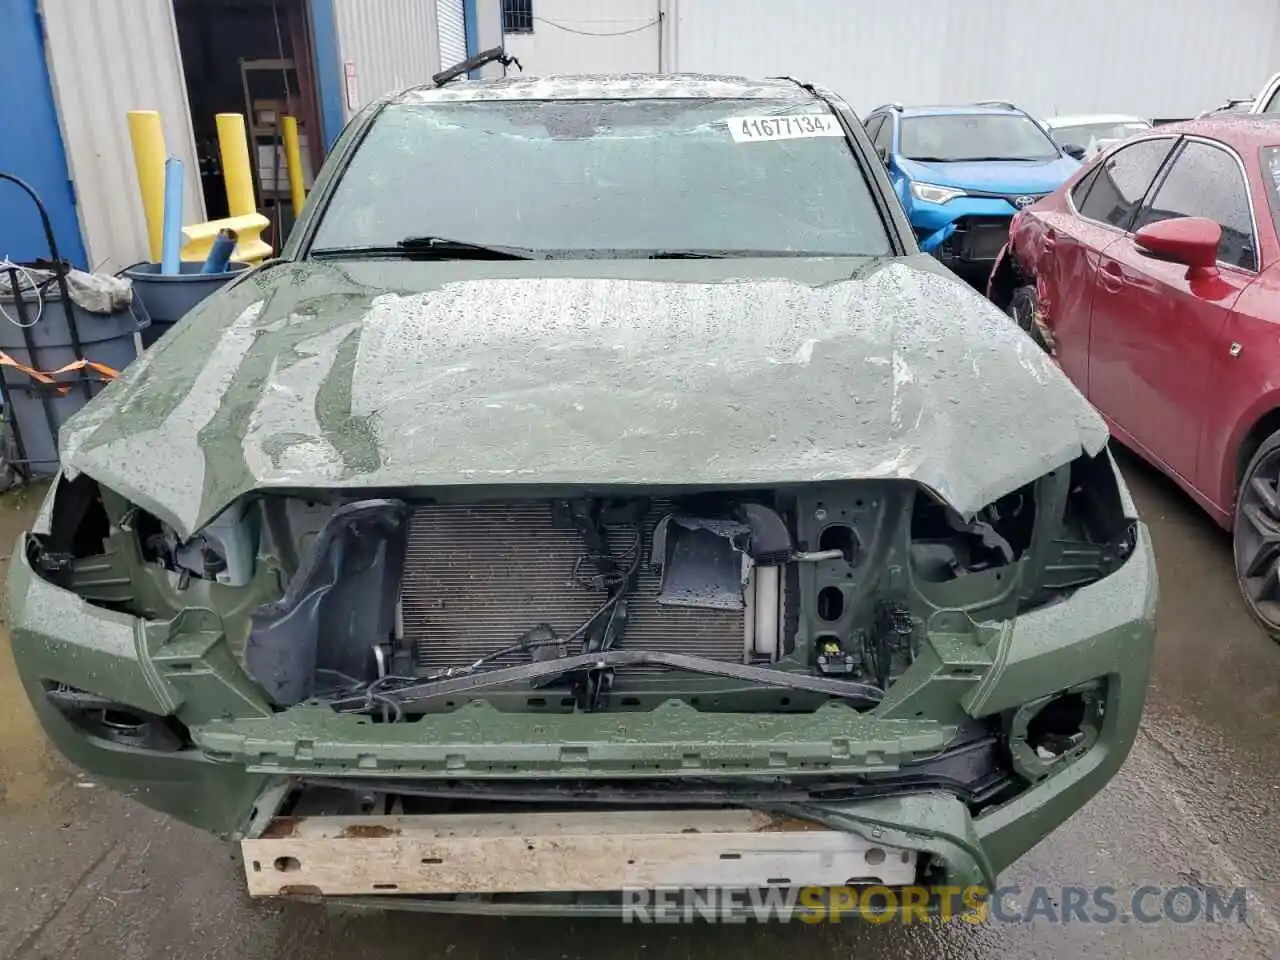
87, 874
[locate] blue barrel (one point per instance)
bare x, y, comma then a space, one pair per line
168, 297
38, 410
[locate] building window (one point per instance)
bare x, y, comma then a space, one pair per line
517, 16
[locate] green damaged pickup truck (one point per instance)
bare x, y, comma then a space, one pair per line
600, 493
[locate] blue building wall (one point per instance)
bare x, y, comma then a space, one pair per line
328, 71
473, 33
31, 144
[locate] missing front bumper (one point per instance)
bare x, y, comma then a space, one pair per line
1105, 630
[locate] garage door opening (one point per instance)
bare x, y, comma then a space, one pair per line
254, 58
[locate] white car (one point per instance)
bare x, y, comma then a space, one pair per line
1268, 99
1093, 132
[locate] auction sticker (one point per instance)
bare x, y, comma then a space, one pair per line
749, 129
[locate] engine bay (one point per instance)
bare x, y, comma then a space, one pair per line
754, 599
588, 599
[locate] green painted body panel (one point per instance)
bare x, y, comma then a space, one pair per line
1104, 631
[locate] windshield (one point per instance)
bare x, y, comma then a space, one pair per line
577, 178
974, 137
1088, 135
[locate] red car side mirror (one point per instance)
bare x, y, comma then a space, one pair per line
1189, 240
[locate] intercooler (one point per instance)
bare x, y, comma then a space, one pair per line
478, 577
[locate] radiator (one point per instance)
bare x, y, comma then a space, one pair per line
477, 577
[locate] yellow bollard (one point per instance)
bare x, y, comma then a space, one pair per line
147, 135
236, 171
293, 160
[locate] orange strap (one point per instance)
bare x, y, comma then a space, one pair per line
107, 373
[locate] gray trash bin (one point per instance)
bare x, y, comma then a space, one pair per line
168, 297
37, 409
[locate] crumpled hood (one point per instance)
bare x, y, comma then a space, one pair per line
426, 374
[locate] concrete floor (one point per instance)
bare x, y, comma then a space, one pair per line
87, 874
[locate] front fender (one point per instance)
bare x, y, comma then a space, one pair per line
937, 238
1003, 279
901, 186
1228, 454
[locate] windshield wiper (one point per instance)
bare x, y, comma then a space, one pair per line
684, 255
744, 254
989, 159
971, 159
423, 248
417, 694
449, 245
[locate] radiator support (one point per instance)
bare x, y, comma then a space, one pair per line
478, 576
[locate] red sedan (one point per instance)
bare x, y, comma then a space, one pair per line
1153, 277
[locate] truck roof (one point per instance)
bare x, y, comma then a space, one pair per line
609, 87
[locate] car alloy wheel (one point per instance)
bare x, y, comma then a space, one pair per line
1256, 536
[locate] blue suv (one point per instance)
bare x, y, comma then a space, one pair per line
962, 172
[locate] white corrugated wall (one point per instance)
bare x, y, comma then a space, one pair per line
391, 44
106, 58
589, 36
1154, 58
452, 25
